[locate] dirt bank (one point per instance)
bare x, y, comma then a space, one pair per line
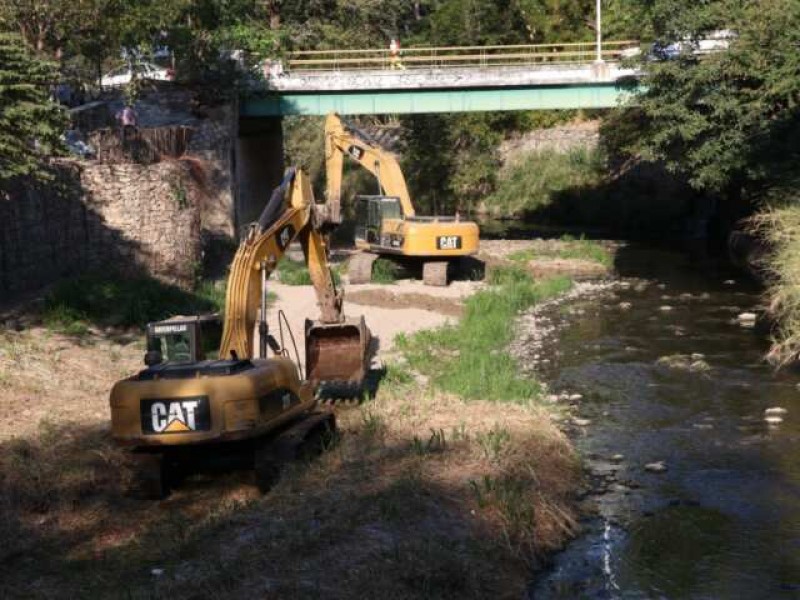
425, 495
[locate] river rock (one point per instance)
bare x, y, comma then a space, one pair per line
625, 305
575, 397
656, 467
581, 422
747, 319
729, 282
773, 420
617, 458
665, 308
699, 366
698, 356
775, 411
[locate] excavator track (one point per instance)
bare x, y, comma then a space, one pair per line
359, 268
435, 273
303, 441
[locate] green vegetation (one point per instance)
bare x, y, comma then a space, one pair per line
470, 359
534, 180
294, 272
570, 247
121, 302
728, 123
779, 225
385, 271
26, 112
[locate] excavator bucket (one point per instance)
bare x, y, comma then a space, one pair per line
337, 353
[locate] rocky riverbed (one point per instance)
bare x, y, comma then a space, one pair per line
688, 437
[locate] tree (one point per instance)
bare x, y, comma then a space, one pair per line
728, 121
30, 124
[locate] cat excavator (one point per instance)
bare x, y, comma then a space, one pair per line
387, 225
209, 385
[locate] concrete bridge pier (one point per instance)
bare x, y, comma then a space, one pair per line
259, 165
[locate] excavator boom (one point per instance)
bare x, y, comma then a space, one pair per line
335, 346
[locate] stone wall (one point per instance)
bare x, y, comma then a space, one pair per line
560, 139
210, 149
128, 218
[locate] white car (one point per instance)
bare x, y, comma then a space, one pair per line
124, 74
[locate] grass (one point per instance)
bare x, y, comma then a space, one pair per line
535, 179
293, 272
779, 225
568, 248
67, 524
470, 359
385, 271
489, 484
120, 302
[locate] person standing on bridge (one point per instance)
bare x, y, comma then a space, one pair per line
394, 55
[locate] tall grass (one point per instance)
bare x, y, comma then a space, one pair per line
780, 227
531, 182
470, 359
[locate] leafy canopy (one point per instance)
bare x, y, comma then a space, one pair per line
729, 120
30, 125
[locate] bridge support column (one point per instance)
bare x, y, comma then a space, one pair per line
259, 165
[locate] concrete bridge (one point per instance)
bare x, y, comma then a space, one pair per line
451, 79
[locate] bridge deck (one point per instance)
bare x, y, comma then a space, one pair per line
429, 80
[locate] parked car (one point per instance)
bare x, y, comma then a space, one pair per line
714, 41
144, 70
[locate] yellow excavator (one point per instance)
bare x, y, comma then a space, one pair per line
387, 224
204, 387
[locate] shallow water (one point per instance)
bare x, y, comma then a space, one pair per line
723, 521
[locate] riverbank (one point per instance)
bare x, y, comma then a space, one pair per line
429, 492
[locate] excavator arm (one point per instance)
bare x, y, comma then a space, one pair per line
343, 138
288, 216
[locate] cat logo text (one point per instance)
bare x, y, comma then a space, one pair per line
175, 415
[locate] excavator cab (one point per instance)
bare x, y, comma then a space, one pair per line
183, 340
371, 211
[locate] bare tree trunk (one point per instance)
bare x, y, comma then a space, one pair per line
417, 11
274, 11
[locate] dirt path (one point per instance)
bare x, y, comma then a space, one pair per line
46, 376
405, 307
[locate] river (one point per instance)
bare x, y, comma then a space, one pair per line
723, 519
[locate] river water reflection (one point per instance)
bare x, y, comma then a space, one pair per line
723, 521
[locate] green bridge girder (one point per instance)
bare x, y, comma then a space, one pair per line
566, 96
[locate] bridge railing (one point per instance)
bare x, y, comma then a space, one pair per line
422, 57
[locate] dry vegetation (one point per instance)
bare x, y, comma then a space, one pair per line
50, 376
780, 227
424, 495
